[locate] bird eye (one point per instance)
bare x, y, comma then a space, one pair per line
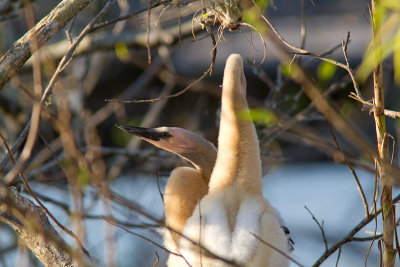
165, 135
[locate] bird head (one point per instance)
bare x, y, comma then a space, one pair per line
172, 139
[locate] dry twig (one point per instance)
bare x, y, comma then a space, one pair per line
32, 193
320, 226
350, 236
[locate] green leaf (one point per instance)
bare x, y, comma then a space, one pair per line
387, 39
122, 52
259, 116
83, 177
396, 58
325, 71
391, 4
262, 4
250, 16
373, 57
284, 68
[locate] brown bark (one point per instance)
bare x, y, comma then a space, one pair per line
20, 51
33, 228
382, 142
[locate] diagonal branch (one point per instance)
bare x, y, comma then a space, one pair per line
34, 229
44, 209
359, 187
350, 236
20, 51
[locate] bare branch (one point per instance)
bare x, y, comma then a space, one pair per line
131, 38
323, 105
33, 227
187, 88
21, 51
45, 210
359, 187
349, 237
320, 226
369, 107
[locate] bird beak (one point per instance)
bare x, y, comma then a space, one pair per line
146, 133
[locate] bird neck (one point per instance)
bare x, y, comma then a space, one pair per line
203, 158
238, 158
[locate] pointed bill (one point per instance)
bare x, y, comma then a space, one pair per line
148, 133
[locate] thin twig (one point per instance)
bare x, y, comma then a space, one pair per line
314, 94
36, 108
125, 17
375, 197
348, 68
69, 29
20, 52
136, 153
302, 51
150, 118
32, 193
367, 238
323, 105
68, 56
136, 87
368, 106
61, 66
60, 204
348, 238
359, 187
157, 260
207, 73
158, 187
126, 224
20, 140
112, 222
277, 250
148, 32
320, 226
338, 257
373, 208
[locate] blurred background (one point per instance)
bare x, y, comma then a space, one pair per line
303, 170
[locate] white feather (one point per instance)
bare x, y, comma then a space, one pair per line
247, 222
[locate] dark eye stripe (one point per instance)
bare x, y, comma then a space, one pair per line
148, 133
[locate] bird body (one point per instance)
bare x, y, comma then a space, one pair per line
232, 214
186, 185
228, 220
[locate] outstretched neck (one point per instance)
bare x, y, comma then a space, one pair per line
238, 160
202, 158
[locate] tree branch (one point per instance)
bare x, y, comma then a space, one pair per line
34, 229
20, 51
350, 236
388, 216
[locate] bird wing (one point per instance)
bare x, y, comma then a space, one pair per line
271, 234
208, 226
216, 233
184, 189
247, 223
